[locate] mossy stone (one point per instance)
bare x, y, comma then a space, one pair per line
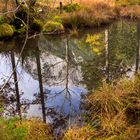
6, 30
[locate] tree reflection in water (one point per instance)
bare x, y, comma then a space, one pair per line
60, 69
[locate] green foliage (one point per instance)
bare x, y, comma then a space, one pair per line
72, 7
6, 30
10, 130
53, 26
36, 25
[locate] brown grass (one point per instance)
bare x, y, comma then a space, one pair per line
130, 12
89, 16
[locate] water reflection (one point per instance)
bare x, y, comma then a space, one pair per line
55, 71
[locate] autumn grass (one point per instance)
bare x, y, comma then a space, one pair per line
91, 15
100, 12
113, 113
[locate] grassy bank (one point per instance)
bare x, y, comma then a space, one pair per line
46, 17
33, 129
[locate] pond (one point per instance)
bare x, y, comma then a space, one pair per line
55, 72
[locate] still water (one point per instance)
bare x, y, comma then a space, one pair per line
54, 72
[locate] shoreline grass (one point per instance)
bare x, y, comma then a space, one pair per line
99, 13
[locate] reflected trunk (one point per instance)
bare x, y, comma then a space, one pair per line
67, 81
67, 65
106, 56
16, 84
138, 48
40, 84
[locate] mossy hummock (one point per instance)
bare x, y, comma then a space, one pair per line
6, 30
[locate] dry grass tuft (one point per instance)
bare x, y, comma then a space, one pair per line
36, 130
114, 112
89, 16
76, 133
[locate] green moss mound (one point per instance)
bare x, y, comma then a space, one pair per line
53, 26
57, 18
36, 25
6, 30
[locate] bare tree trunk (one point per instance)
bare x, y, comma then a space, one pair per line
67, 81
106, 55
40, 84
61, 7
16, 84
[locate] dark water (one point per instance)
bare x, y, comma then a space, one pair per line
55, 71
